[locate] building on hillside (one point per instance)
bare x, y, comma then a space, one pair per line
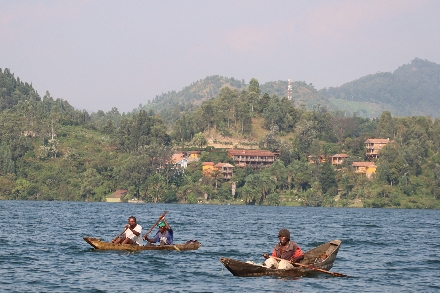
179, 162
116, 196
313, 159
252, 158
374, 145
338, 159
207, 168
193, 155
177, 157
225, 169
182, 164
367, 168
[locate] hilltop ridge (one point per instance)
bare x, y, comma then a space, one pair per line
412, 89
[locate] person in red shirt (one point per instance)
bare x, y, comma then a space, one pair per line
287, 250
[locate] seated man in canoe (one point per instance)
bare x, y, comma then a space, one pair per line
287, 250
164, 235
132, 234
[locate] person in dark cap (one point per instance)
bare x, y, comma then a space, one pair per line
287, 250
164, 235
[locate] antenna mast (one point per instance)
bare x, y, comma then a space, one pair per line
289, 90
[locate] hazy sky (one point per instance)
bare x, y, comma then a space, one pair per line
103, 54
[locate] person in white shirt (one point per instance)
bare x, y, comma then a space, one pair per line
132, 235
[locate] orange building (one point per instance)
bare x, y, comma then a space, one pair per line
207, 168
193, 155
367, 168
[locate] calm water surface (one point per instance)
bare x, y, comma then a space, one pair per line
383, 250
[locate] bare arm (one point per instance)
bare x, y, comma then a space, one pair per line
132, 230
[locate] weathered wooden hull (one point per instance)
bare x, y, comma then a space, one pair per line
321, 257
102, 245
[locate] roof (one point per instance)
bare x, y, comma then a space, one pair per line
378, 140
184, 160
363, 164
339, 156
251, 153
227, 165
118, 193
208, 164
177, 157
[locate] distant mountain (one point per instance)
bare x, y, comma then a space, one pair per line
411, 90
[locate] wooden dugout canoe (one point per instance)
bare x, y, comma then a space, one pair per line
102, 245
321, 257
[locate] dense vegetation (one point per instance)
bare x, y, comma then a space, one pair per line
411, 90
50, 151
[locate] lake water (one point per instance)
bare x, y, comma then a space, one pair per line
383, 250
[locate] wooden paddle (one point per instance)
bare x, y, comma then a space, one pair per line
119, 234
152, 227
313, 268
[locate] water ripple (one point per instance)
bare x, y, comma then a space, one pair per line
382, 249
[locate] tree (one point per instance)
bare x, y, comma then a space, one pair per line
328, 179
199, 140
92, 180
109, 127
304, 134
254, 92
7, 165
156, 186
273, 199
135, 172
385, 127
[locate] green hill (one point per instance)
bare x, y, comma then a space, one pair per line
50, 151
413, 89
170, 104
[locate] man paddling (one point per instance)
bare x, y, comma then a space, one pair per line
132, 234
289, 251
164, 235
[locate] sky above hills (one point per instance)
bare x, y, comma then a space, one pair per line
103, 54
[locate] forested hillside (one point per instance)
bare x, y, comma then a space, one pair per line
411, 90
50, 151
172, 105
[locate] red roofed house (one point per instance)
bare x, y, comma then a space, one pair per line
179, 160
367, 168
225, 169
374, 145
338, 159
177, 157
116, 196
253, 158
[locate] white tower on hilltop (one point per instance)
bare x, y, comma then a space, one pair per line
289, 90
